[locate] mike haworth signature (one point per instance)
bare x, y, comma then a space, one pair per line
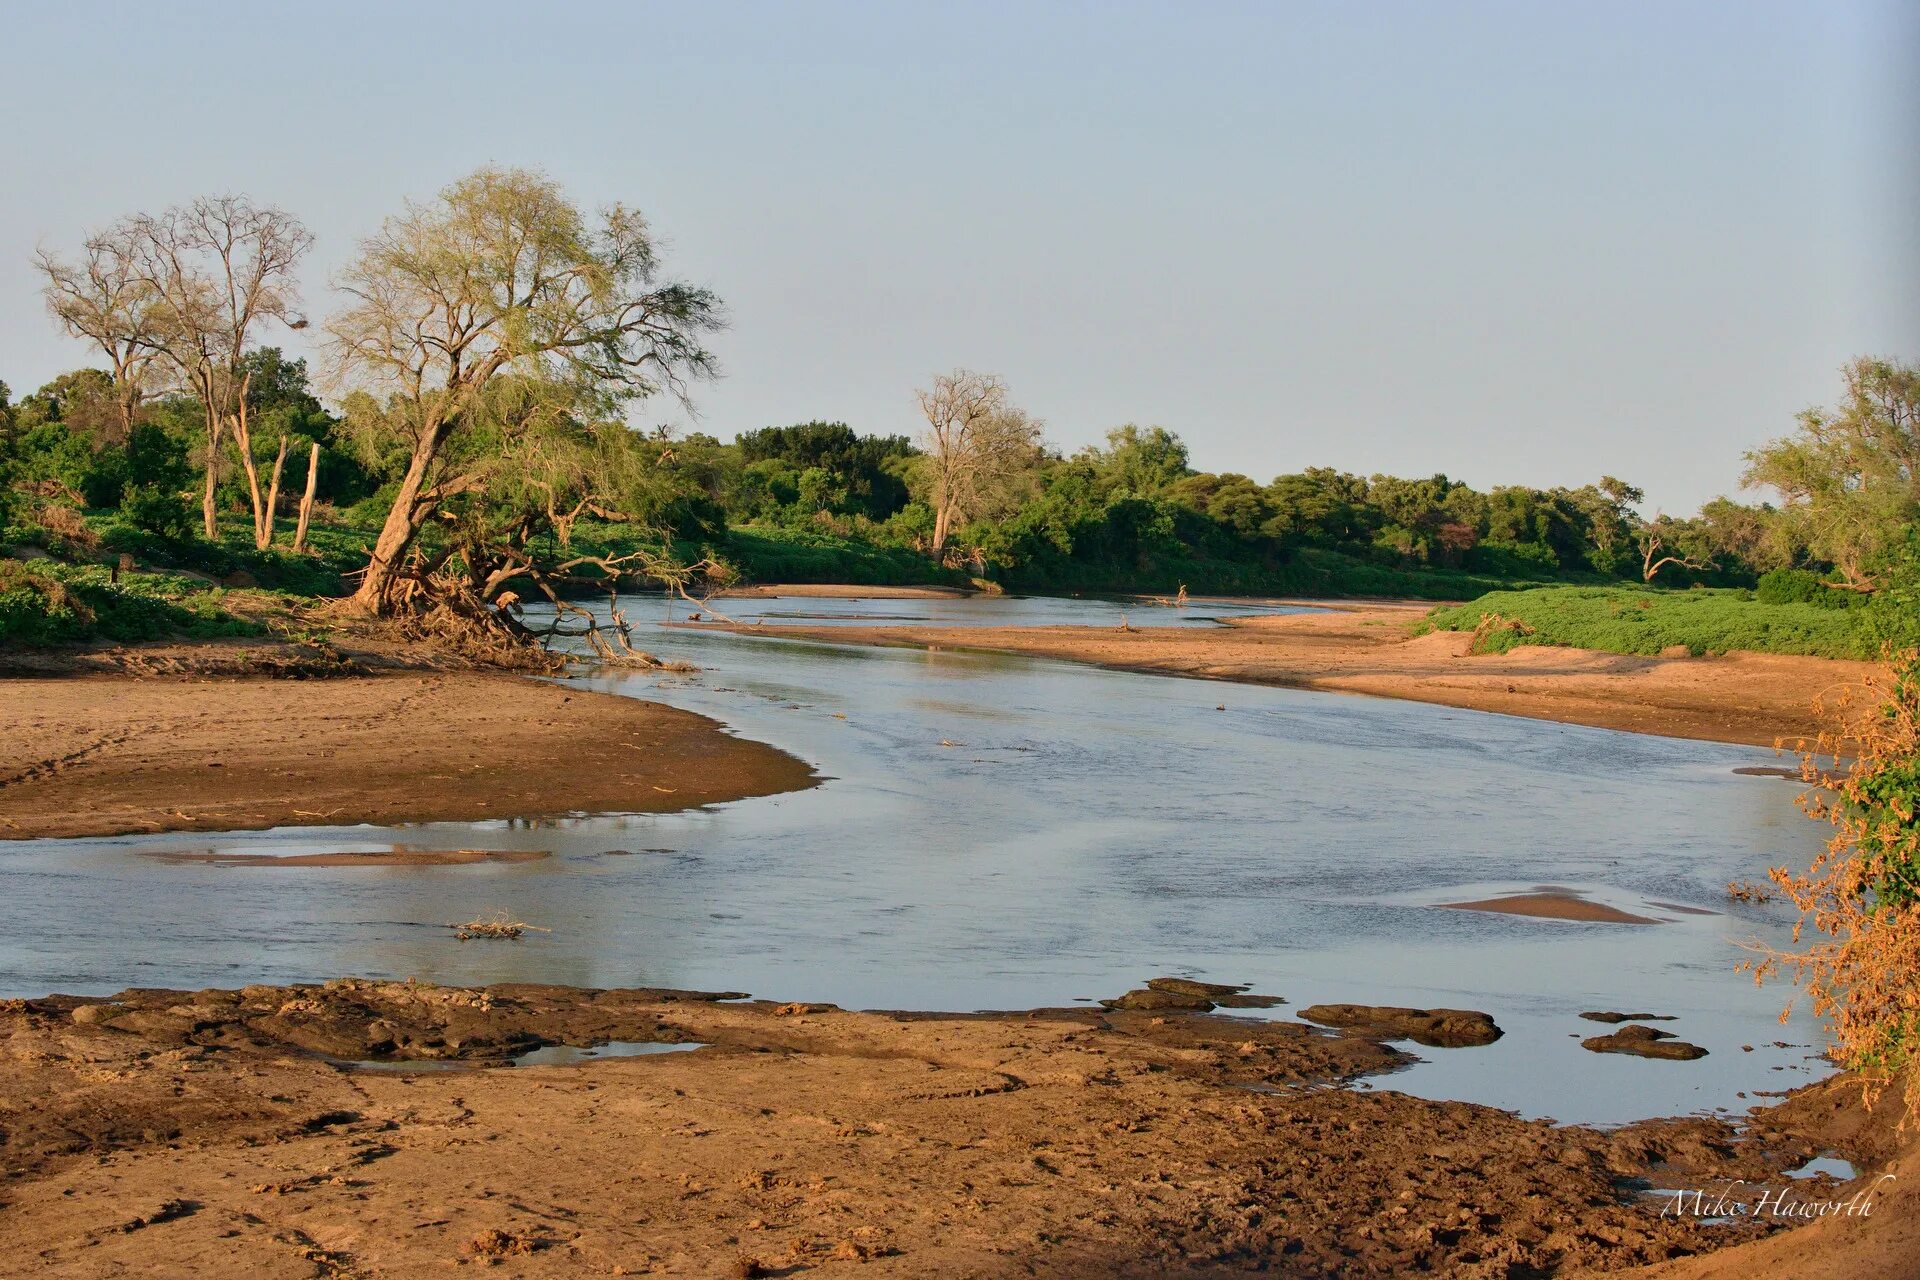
1775, 1202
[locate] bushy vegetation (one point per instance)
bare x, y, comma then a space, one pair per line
46, 603
1625, 620
1861, 897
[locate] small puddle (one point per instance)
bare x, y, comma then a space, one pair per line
562, 1055
548, 1055
1832, 1166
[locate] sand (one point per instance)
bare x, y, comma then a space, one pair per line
1553, 906
843, 591
182, 1133
356, 858
96, 755
1748, 698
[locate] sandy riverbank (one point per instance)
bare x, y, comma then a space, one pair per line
201, 1133
103, 754
843, 591
1741, 697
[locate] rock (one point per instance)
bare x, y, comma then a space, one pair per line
1628, 1017
1438, 1028
1645, 1042
1146, 998
1221, 994
89, 1015
168, 1028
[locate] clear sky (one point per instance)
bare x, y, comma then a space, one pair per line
1519, 242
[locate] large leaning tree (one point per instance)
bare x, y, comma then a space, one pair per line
495, 339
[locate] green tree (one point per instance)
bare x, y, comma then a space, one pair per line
501, 277
1850, 476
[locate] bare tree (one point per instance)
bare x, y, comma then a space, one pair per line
1655, 538
499, 279
219, 268
103, 299
306, 499
975, 437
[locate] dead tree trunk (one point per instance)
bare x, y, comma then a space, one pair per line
263, 518
306, 501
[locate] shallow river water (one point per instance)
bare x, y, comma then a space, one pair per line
999, 832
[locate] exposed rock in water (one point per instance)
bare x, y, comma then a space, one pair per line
1220, 993
1438, 1028
1645, 1042
1628, 1017
1148, 999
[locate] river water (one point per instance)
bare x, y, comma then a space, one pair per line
1001, 832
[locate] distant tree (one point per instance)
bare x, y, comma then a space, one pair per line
1851, 476
104, 299
1321, 506
9, 459
1232, 500
1607, 509
495, 336
218, 269
1140, 462
1753, 539
975, 438
1660, 542
855, 477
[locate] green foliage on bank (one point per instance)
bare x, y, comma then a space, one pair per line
48, 603
1626, 620
774, 554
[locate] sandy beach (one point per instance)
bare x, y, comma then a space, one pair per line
96, 755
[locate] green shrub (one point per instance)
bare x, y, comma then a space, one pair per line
1803, 586
1625, 620
45, 603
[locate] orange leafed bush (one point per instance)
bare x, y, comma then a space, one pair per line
1861, 897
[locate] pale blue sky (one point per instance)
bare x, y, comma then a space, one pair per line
1521, 243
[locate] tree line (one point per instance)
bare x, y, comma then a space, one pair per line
489, 345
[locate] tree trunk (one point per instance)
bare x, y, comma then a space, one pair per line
404, 519
263, 521
243, 444
942, 516
306, 501
209, 525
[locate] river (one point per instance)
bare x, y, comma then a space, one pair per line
1002, 832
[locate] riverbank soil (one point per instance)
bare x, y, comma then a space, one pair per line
105, 754
180, 1133
1740, 697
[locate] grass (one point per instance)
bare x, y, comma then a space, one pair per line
1643, 621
